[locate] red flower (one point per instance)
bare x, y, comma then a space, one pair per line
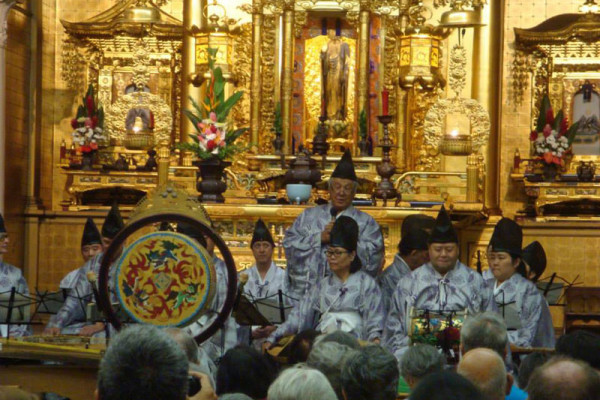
547, 130
550, 116
74, 123
564, 126
94, 146
453, 334
90, 105
213, 128
533, 136
94, 121
210, 145
548, 158
86, 149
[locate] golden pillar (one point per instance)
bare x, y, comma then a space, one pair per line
487, 64
363, 60
288, 69
192, 15
472, 178
256, 85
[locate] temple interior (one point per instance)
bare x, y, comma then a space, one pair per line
438, 101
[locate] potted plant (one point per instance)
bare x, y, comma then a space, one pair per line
88, 128
213, 142
551, 140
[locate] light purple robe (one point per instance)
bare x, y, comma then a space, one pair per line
360, 293
389, 278
460, 289
536, 328
306, 260
11, 276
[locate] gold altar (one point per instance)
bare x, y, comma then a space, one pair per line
144, 59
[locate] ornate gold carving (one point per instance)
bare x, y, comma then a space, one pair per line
299, 22
459, 4
74, 64
268, 83
457, 75
242, 48
117, 113
141, 60
423, 156
140, 3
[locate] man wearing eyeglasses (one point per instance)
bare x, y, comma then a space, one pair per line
306, 240
10, 277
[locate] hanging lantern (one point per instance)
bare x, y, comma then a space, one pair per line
419, 61
219, 33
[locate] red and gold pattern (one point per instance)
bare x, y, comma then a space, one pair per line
165, 279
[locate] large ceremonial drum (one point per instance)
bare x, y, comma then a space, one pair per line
165, 279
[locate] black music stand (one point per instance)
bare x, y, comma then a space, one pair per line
15, 309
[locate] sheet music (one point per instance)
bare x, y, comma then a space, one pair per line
270, 309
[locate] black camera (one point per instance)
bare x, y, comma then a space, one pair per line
194, 385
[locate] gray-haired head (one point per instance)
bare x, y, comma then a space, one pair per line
329, 358
419, 361
186, 342
564, 378
301, 382
340, 337
484, 330
235, 396
370, 374
143, 363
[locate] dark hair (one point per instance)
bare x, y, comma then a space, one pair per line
370, 374
302, 345
245, 370
445, 385
581, 345
143, 363
528, 365
562, 385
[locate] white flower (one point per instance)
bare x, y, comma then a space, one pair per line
540, 139
553, 153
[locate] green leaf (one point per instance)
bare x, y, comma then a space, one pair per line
231, 137
545, 106
193, 118
224, 108
200, 111
557, 120
219, 87
571, 132
362, 123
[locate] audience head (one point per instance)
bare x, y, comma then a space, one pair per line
301, 383
235, 396
419, 361
340, 337
484, 330
245, 370
370, 374
329, 358
143, 362
485, 368
564, 378
581, 345
186, 342
446, 385
528, 365
301, 346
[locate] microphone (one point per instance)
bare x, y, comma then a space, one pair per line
333, 212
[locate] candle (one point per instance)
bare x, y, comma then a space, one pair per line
322, 106
385, 97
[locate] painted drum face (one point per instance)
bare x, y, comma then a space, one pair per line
165, 279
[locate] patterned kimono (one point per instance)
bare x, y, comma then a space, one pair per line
332, 304
306, 261
258, 288
226, 337
389, 278
72, 315
11, 276
460, 289
536, 328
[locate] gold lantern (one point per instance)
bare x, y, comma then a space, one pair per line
420, 52
218, 33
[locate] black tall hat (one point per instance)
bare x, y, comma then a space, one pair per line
2, 227
192, 232
535, 256
113, 223
345, 168
420, 221
443, 231
507, 237
414, 239
344, 233
91, 234
261, 233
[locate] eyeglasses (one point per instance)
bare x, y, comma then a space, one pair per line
335, 253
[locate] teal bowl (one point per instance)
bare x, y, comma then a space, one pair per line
298, 193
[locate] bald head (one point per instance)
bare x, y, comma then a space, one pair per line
564, 379
485, 368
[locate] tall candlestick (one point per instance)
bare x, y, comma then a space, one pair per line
385, 97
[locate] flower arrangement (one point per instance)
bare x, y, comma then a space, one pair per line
88, 124
213, 138
552, 138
